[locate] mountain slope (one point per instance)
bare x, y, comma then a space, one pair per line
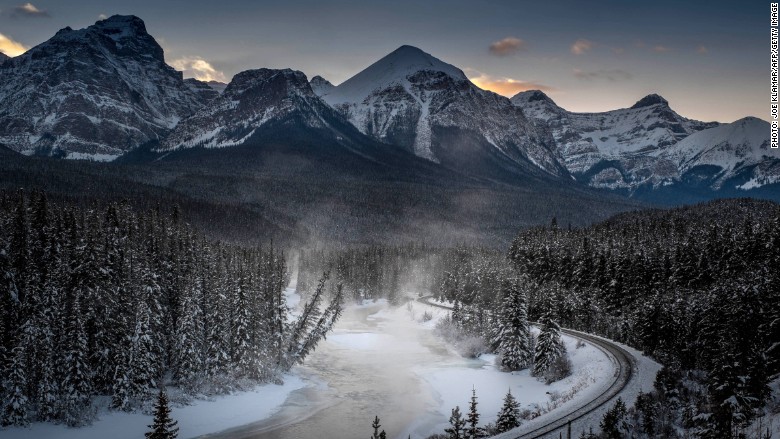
93, 93
256, 100
619, 149
739, 150
414, 101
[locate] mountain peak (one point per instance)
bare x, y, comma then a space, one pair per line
649, 100
394, 69
532, 96
121, 26
409, 59
321, 86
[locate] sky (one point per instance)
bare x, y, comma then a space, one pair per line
709, 59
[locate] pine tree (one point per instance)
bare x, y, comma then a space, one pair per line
513, 334
549, 346
143, 367
376, 426
188, 344
509, 415
457, 424
163, 427
16, 403
473, 430
77, 386
613, 425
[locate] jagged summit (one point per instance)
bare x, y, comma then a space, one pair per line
122, 34
650, 100
121, 26
253, 99
95, 93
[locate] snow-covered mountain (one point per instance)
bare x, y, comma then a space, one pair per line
738, 152
253, 98
415, 101
92, 93
647, 145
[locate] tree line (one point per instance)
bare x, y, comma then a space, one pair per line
117, 303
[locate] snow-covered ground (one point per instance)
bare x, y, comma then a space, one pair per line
591, 374
200, 418
452, 382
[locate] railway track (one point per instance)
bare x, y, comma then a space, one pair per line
624, 362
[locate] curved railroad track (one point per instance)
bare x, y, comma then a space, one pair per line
624, 362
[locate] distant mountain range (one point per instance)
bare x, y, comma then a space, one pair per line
650, 146
105, 92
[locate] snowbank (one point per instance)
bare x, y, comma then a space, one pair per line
201, 417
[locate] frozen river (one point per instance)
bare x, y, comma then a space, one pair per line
369, 366
383, 361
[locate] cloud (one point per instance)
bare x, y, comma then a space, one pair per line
660, 49
28, 10
612, 75
504, 86
198, 68
581, 46
702, 50
102, 17
11, 47
507, 46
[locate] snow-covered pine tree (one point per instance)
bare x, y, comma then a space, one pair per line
188, 341
243, 351
77, 385
15, 411
549, 346
513, 334
613, 425
143, 367
473, 430
163, 426
9, 305
509, 415
457, 424
313, 324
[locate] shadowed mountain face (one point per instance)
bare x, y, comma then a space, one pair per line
92, 93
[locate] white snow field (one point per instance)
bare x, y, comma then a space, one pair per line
200, 418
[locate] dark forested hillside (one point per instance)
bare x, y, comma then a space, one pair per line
696, 288
298, 189
111, 302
